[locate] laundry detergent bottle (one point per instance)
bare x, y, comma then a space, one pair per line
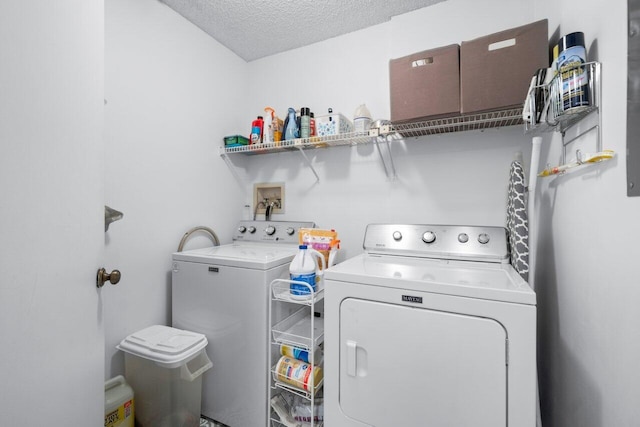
291, 129
303, 272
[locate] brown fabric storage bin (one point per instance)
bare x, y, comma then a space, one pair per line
425, 84
495, 70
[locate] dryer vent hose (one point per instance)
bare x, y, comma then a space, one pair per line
210, 232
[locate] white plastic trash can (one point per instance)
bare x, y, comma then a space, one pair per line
164, 366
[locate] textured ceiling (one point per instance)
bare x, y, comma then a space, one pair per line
257, 28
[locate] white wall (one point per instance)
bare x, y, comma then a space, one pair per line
586, 288
587, 282
457, 178
162, 137
171, 92
51, 190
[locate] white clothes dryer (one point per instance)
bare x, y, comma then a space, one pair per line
430, 326
223, 293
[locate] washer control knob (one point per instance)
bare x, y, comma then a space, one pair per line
252, 229
429, 237
463, 237
290, 231
270, 230
397, 236
242, 229
483, 238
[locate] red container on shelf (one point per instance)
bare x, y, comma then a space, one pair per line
257, 129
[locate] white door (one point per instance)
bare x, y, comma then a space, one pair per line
51, 212
407, 366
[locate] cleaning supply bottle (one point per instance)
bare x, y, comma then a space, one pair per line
572, 55
361, 119
305, 125
257, 127
291, 130
268, 125
304, 269
302, 353
277, 128
312, 123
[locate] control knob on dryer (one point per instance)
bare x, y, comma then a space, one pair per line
252, 229
483, 238
290, 231
270, 230
429, 237
242, 229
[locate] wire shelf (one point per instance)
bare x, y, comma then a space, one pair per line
566, 100
281, 291
299, 390
285, 408
492, 119
353, 138
300, 329
297, 330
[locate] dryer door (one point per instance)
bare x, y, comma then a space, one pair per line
408, 366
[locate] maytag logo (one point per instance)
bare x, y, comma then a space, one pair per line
409, 298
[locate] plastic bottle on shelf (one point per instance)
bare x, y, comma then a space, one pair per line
257, 127
277, 124
312, 124
305, 125
268, 125
361, 119
291, 130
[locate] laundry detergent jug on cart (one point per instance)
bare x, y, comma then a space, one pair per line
305, 273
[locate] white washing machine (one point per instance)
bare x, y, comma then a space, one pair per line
430, 326
223, 293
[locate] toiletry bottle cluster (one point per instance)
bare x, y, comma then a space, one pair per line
269, 128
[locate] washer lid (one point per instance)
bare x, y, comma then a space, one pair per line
260, 256
482, 280
168, 347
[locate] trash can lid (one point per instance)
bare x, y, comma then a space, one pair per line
168, 347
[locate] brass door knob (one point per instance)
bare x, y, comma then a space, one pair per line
103, 277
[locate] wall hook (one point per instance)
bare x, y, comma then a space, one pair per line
111, 215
